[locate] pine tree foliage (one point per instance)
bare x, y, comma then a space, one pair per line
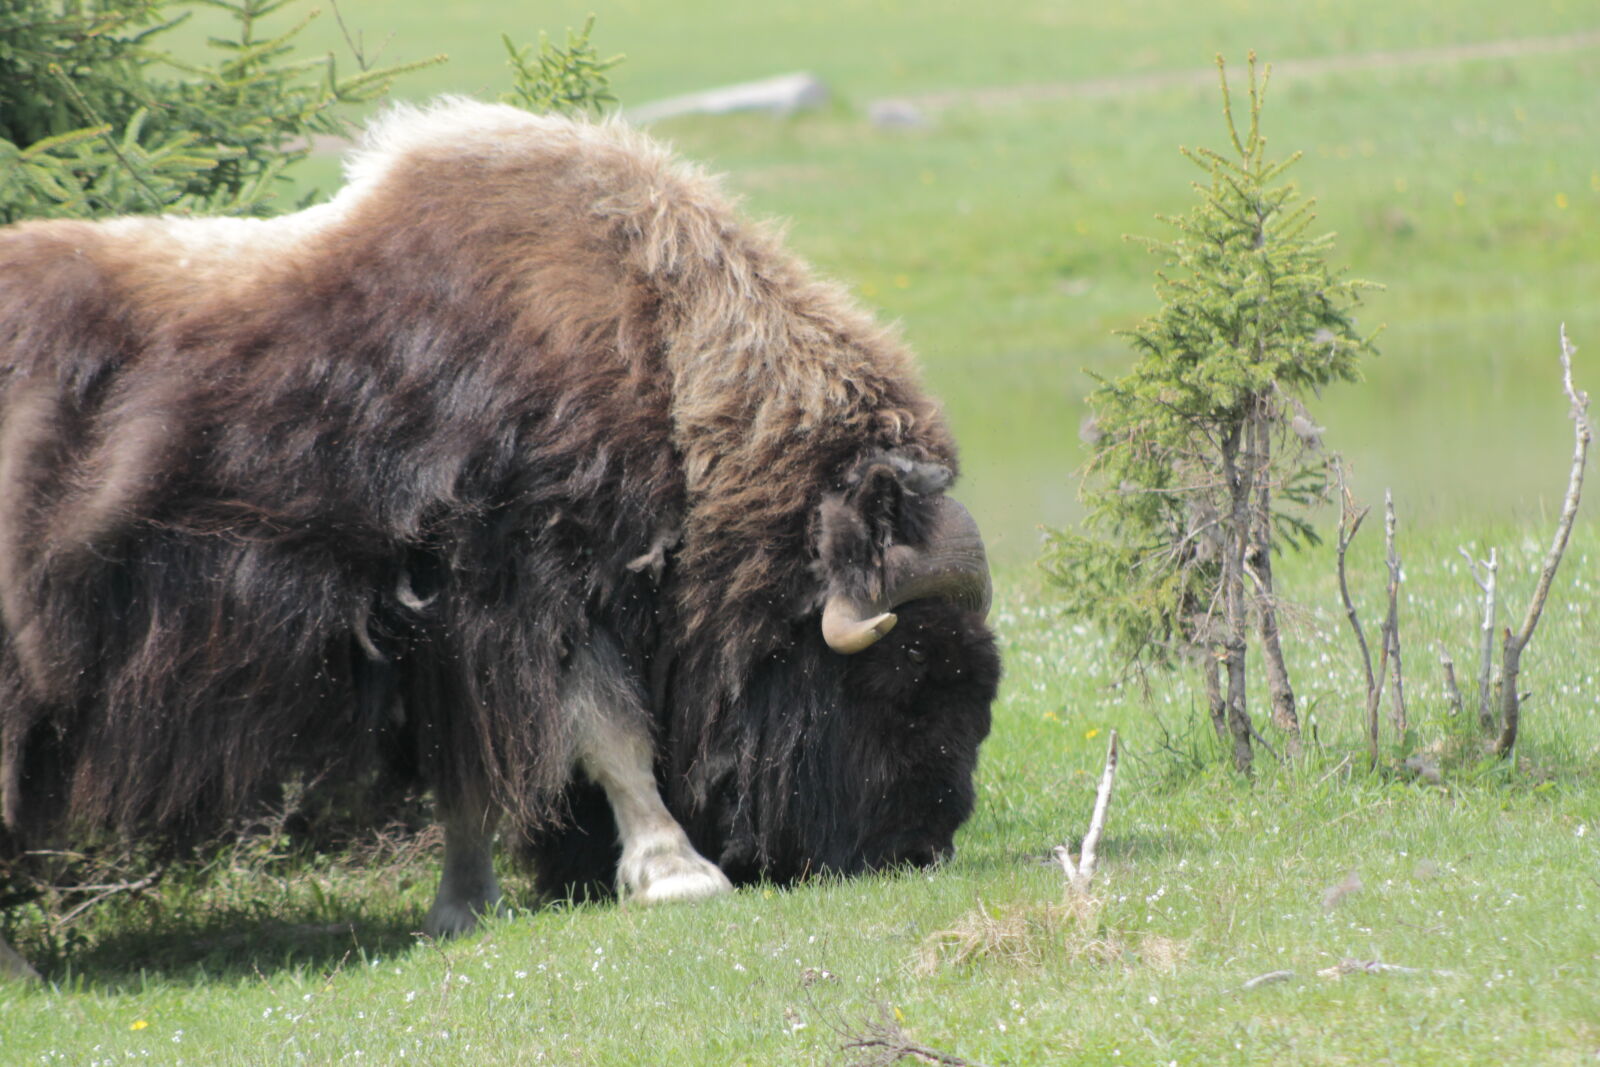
1203, 457
566, 80
96, 119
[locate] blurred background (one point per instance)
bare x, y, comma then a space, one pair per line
976, 168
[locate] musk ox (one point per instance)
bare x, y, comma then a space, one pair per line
524, 466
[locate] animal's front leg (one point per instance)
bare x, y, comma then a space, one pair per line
658, 862
467, 887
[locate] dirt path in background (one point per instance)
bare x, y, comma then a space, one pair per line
1119, 85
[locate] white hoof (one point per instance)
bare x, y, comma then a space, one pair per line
672, 870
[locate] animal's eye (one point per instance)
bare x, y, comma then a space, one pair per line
916, 654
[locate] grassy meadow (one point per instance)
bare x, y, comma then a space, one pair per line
1468, 185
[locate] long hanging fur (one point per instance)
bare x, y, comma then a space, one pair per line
277, 494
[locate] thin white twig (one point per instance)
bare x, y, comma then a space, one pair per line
1391, 626
1081, 873
1484, 574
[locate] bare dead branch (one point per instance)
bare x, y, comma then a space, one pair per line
1452, 691
1349, 525
1485, 575
1514, 644
105, 892
889, 1044
357, 42
1266, 979
1262, 741
1081, 873
1353, 966
1341, 765
1391, 626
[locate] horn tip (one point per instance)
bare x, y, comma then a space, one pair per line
860, 636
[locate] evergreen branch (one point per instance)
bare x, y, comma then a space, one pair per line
72, 91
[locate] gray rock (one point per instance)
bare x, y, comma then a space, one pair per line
896, 115
12, 965
783, 95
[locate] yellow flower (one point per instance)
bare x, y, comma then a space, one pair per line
1092, 734
138, 1024
1561, 201
1460, 198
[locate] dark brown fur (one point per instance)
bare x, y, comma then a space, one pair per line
351, 484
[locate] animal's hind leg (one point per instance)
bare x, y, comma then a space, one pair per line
468, 888
658, 862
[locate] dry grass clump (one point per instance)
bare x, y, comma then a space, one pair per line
1162, 953
1026, 934
1032, 934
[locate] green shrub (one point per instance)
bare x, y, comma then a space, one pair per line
96, 119
1203, 456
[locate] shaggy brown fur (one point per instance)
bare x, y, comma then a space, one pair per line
353, 481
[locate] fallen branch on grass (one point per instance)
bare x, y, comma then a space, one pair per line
1081, 873
1354, 966
1266, 979
889, 1043
885, 1040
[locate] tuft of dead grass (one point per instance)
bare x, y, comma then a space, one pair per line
1033, 933
1023, 935
1162, 953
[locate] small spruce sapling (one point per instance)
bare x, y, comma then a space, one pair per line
1203, 458
567, 81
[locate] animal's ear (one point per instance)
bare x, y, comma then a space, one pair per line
880, 504
888, 537
850, 557
845, 544
868, 536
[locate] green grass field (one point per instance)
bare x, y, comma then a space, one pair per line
1470, 187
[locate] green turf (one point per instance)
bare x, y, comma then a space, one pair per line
1484, 885
995, 236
